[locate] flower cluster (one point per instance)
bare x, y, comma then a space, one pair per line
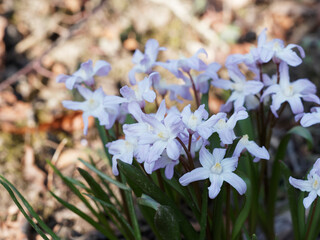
170, 137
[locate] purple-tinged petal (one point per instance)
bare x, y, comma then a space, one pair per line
215, 187
101, 68
309, 119
85, 92
236, 182
303, 185
149, 96
309, 200
70, 82
221, 83
229, 164
218, 154
296, 105
195, 175
290, 57
206, 158
173, 149
255, 150
72, 105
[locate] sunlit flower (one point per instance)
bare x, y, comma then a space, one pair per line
289, 92
95, 106
145, 62
85, 74
218, 169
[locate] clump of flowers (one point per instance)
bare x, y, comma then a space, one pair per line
211, 151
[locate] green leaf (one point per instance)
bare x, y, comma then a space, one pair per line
239, 223
84, 216
148, 214
132, 213
150, 188
204, 212
205, 101
30, 209
166, 223
314, 228
276, 169
293, 203
127, 229
73, 189
104, 176
41, 233
104, 139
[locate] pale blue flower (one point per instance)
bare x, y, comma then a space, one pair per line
144, 63
166, 162
311, 185
252, 147
311, 118
95, 106
289, 92
218, 169
124, 150
85, 74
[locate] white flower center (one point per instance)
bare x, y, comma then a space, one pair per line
164, 136
238, 87
288, 92
277, 46
315, 184
245, 140
192, 123
92, 104
128, 146
216, 169
221, 124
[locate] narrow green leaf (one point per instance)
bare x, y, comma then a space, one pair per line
166, 223
314, 229
276, 173
31, 210
204, 212
127, 229
104, 176
73, 189
293, 204
205, 101
239, 223
132, 213
87, 218
41, 233
148, 214
149, 188
104, 139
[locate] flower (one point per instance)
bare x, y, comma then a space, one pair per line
145, 62
165, 162
275, 50
311, 185
85, 74
290, 92
95, 106
252, 147
122, 149
193, 120
311, 118
240, 87
218, 169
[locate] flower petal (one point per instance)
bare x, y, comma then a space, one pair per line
236, 182
195, 175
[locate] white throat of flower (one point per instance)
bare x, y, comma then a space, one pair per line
221, 124
163, 135
216, 169
238, 87
92, 104
316, 184
193, 122
245, 139
288, 91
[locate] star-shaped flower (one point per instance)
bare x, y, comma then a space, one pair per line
218, 169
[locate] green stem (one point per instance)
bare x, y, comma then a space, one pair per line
312, 215
228, 212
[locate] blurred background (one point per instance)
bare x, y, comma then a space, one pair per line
40, 39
